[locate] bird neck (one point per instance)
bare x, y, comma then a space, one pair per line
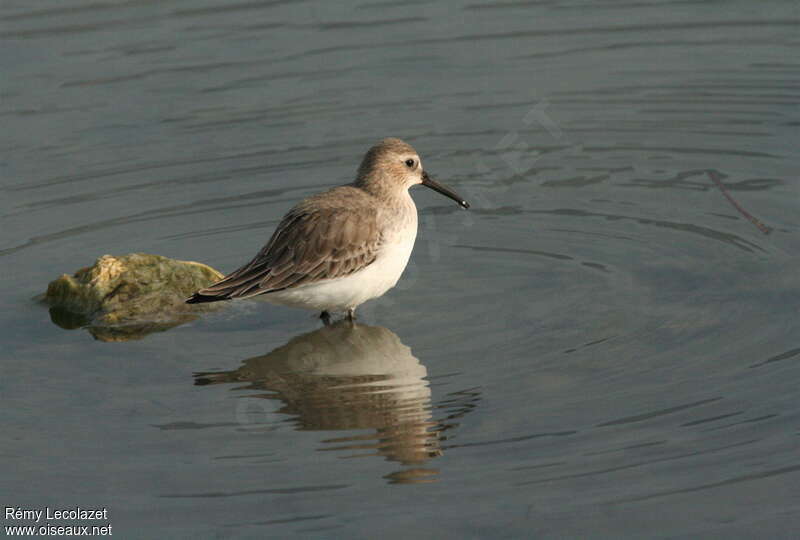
384, 189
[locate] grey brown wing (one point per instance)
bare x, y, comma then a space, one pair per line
308, 246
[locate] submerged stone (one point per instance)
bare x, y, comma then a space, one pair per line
128, 296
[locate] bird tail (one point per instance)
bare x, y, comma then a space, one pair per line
200, 298
239, 284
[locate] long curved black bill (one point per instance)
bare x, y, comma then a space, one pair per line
444, 190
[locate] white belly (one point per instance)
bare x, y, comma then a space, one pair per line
351, 291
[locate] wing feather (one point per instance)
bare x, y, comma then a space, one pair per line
312, 243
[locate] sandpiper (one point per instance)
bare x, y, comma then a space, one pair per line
336, 250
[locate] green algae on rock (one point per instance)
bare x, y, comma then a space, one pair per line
135, 290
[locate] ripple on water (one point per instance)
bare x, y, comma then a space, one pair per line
602, 346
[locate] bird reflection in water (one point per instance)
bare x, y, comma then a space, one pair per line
351, 376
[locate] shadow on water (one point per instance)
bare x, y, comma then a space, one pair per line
348, 377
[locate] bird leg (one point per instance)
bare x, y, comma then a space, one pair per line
326, 318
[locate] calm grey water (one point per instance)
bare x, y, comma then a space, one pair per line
602, 347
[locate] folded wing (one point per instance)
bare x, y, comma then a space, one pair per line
309, 245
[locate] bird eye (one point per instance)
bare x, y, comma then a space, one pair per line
410, 163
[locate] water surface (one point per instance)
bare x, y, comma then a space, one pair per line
603, 346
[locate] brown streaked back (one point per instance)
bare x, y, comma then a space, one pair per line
327, 236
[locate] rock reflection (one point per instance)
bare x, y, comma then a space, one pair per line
351, 377
122, 332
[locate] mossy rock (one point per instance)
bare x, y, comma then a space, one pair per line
136, 290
